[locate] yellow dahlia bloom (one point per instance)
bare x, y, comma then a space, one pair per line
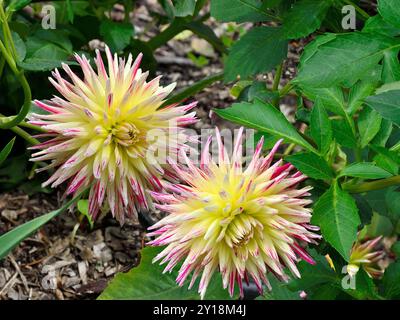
364, 255
242, 222
105, 132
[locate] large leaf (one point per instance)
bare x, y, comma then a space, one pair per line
116, 34
264, 117
387, 104
337, 215
320, 127
391, 66
376, 24
147, 282
364, 170
259, 50
390, 11
304, 18
238, 10
311, 165
331, 98
11, 239
342, 58
280, 291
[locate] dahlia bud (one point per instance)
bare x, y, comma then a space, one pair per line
364, 255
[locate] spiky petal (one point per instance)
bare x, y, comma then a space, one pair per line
100, 131
242, 222
366, 256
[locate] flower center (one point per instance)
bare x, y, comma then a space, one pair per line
125, 134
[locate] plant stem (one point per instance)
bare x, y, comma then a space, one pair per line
275, 85
176, 27
32, 126
25, 135
358, 9
373, 185
286, 88
190, 91
9, 122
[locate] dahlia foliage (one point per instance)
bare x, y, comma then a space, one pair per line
242, 222
108, 131
366, 256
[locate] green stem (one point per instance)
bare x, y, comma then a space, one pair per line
12, 121
190, 91
275, 85
32, 126
358, 9
7, 32
176, 27
373, 185
286, 88
25, 135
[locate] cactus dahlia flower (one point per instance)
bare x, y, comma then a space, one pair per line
242, 222
100, 133
364, 255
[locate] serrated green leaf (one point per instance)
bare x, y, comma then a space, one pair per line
147, 282
311, 165
117, 35
386, 159
184, 8
343, 134
239, 11
345, 58
259, 50
364, 170
387, 104
390, 11
337, 215
304, 18
391, 66
369, 123
376, 24
265, 118
320, 127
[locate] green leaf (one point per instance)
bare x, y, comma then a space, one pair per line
313, 275
238, 11
6, 151
364, 287
369, 123
320, 127
331, 98
147, 282
392, 199
364, 170
390, 11
11, 239
358, 93
387, 104
396, 249
280, 291
343, 134
16, 5
324, 292
39, 64
376, 24
259, 50
386, 159
391, 281
264, 117
337, 215
342, 58
19, 46
116, 34
391, 66
311, 165
83, 208
304, 18
383, 134
184, 8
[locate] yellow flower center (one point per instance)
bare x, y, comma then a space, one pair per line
125, 134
